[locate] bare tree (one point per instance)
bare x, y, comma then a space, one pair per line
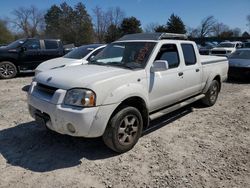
28, 20
150, 28
104, 19
219, 28
193, 32
248, 21
206, 27
236, 32
115, 16
100, 22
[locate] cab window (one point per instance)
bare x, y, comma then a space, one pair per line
33, 44
189, 54
169, 53
51, 45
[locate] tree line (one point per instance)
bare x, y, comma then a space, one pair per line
73, 24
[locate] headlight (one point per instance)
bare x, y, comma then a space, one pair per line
80, 97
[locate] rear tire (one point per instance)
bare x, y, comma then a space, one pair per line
212, 94
7, 70
123, 130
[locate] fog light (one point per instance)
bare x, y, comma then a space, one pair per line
71, 128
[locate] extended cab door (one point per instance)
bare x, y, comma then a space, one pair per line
165, 87
51, 49
192, 70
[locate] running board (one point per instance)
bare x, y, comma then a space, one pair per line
175, 107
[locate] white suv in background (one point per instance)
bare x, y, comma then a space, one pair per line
225, 48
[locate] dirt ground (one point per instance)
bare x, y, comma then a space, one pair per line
194, 147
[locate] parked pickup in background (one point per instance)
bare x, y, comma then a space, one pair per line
225, 48
134, 80
25, 55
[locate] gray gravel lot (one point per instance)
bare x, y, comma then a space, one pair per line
194, 147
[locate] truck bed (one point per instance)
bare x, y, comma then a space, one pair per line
214, 65
207, 59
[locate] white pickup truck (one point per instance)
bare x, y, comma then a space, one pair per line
133, 80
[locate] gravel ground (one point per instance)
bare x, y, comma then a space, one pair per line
194, 147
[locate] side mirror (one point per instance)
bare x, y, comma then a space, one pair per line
159, 65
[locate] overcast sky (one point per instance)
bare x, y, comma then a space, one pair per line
230, 12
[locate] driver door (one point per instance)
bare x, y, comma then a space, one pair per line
30, 56
165, 87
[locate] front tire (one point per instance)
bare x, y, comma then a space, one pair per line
212, 94
123, 130
7, 70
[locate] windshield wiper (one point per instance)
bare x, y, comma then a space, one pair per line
119, 64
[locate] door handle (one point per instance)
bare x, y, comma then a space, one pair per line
180, 73
197, 70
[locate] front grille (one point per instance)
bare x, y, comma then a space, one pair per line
47, 89
218, 52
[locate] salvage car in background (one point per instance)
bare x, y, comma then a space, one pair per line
239, 64
25, 55
225, 48
205, 49
80, 55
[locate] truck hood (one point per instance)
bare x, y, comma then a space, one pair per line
58, 63
239, 63
79, 76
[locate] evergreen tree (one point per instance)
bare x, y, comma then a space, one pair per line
72, 25
113, 33
130, 25
175, 25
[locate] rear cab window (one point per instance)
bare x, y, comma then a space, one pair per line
51, 44
189, 54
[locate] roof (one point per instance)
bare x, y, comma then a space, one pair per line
153, 36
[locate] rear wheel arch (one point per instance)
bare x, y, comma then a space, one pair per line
218, 79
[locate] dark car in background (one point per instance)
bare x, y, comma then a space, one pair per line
205, 49
25, 55
246, 45
239, 64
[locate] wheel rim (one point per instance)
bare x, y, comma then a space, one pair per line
7, 69
213, 93
128, 130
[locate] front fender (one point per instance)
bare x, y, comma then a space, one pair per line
126, 91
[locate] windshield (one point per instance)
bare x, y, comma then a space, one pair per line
16, 43
79, 53
131, 55
226, 45
241, 54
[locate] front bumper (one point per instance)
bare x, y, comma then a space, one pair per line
74, 121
